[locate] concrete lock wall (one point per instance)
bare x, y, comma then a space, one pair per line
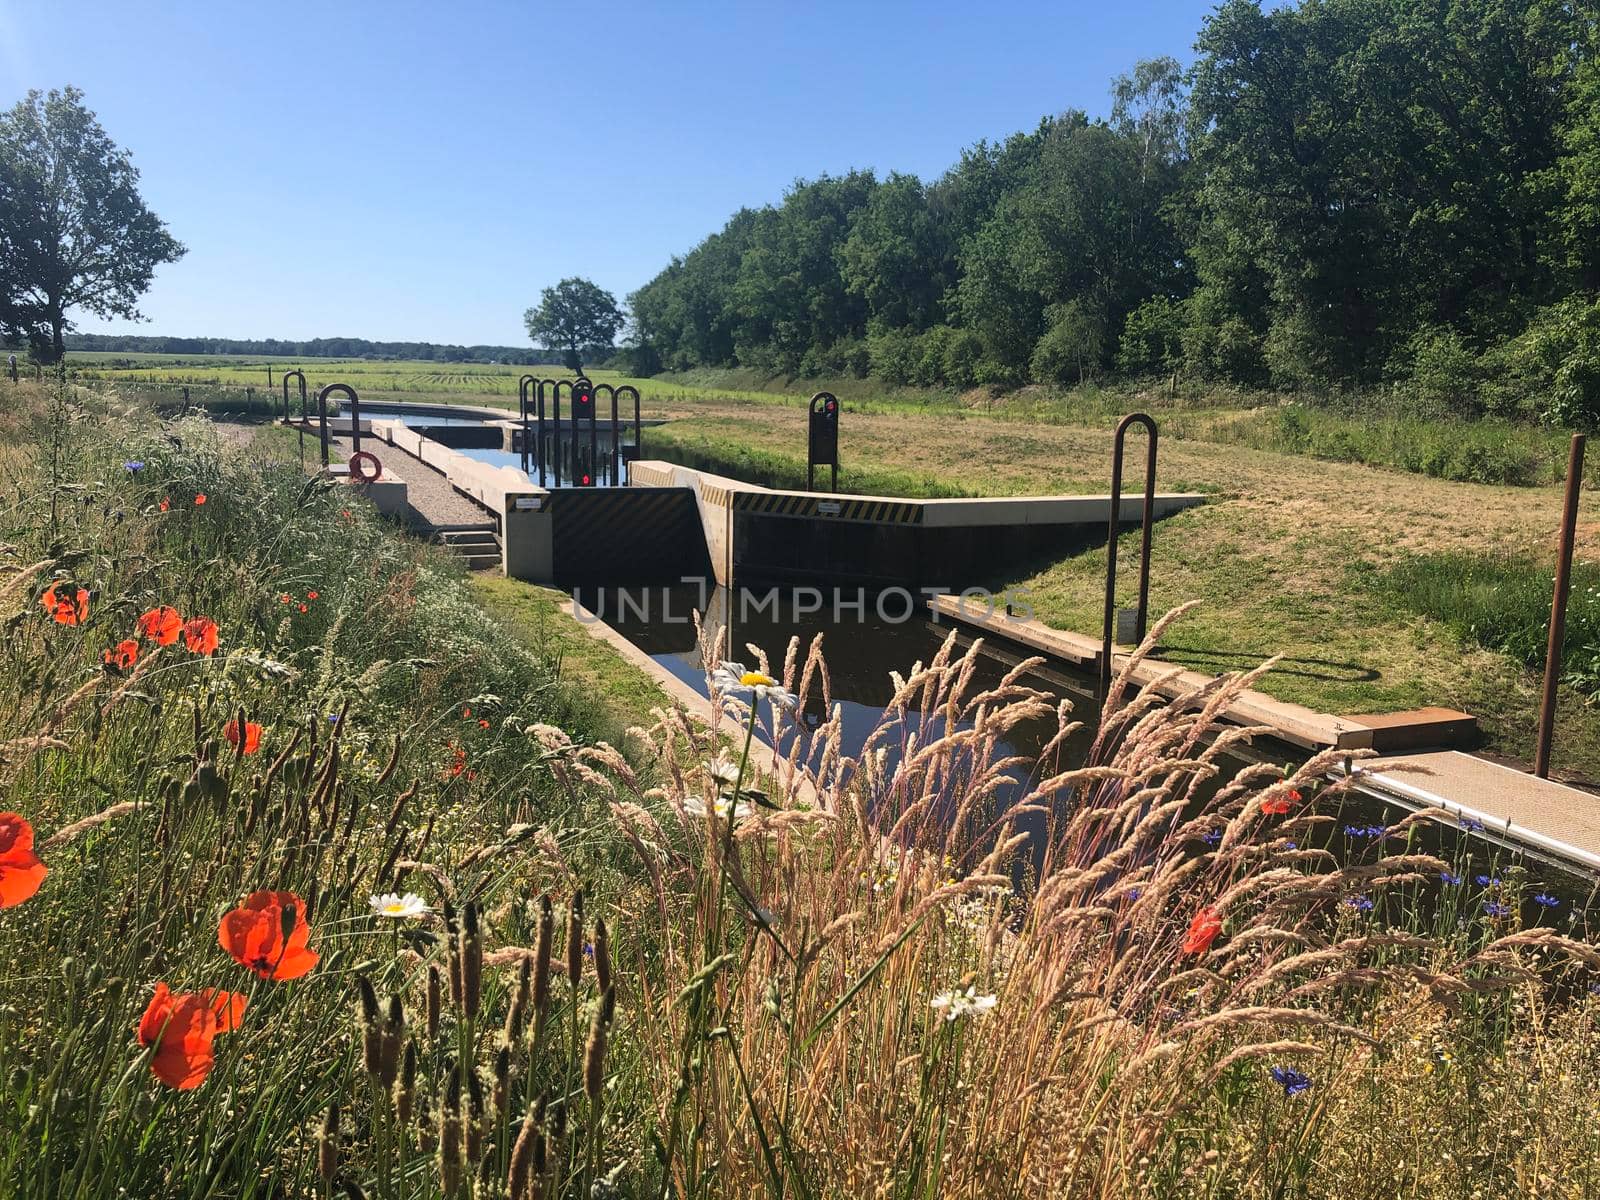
763, 535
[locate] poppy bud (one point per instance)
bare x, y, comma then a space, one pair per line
575, 940
471, 962
602, 955
328, 1144
434, 1001
405, 1090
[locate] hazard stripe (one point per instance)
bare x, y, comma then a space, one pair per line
811, 505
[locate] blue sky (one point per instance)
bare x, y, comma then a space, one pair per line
420, 171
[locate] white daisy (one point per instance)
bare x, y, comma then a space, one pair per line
696, 807
399, 908
724, 770
956, 1004
731, 677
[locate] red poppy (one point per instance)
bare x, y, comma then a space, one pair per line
165, 504
1203, 931
200, 635
483, 724
21, 872
303, 608
466, 713
311, 595
253, 933
284, 598
200, 499
252, 735
458, 761
1279, 805
67, 610
122, 656
161, 624
181, 1027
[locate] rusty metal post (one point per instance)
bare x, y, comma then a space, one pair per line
616, 432
1111, 539
555, 419
1558, 608
342, 389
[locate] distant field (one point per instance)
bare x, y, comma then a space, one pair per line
449, 383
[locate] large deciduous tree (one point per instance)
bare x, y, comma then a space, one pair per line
74, 231
573, 316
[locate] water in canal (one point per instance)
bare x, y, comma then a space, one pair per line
862, 648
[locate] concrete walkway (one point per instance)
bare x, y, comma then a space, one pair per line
431, 502
1512, 806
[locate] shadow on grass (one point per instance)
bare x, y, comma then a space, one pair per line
1246, 660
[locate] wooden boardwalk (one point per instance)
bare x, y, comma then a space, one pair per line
1515, 808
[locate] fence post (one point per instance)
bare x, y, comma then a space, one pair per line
1558, 608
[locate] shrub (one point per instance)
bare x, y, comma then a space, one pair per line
963, 354
1071, 347
1440, 374
896, 356
1152, 338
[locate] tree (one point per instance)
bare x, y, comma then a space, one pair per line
574, 315
74, 231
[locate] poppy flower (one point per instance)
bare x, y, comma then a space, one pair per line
303, 608
252, 735
458, 761
165, 504
200, 499
254, 934
1203, 931
1279, 805
161, 624
283, 598
66, 609
122, 656
181, 1026
200, 635
311, 595
21, 872
482, 724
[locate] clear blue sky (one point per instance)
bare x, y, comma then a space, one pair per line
418, 171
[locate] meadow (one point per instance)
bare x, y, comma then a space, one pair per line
236, 706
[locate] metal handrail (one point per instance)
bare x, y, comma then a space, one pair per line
1111, 539
287, 375
343, 389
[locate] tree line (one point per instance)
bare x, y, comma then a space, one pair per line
314, 348
1340, 194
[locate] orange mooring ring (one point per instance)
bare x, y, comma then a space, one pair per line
360, 461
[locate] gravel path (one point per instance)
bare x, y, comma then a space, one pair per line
430, 500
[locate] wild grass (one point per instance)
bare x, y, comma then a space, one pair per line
827, 976
1503, 602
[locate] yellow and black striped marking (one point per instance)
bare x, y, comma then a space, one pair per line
790, 504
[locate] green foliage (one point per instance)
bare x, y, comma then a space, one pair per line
1503, 603
1072, 346
1152, 338
74, 232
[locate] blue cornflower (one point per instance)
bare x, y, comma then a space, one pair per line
1291, 1081
1135, 893
1546, 900
1365, 831
1287, 845
1211, 837
133, 466
1472, 824
333, 718
1449, 880
1486, 880
1494, 908
1359, 903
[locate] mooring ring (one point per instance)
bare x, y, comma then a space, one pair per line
359, 461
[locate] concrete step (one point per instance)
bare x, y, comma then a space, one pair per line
480, 562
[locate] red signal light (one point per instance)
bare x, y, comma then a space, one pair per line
586, 481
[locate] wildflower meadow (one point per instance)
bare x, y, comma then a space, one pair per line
314, 883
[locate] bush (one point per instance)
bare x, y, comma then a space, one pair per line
896, 356
1071, 348
1152, 338
1439, 375
963, 353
